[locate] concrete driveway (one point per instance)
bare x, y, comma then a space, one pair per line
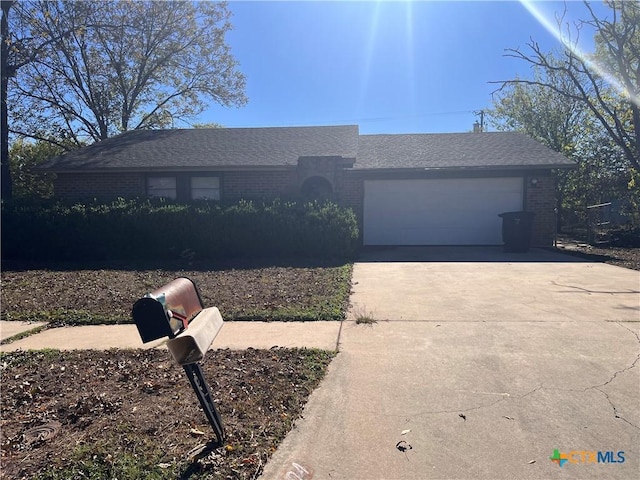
481, 365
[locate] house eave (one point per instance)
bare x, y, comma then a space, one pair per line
160, 169
485, 168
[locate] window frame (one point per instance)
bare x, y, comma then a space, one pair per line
151, 190
217, 190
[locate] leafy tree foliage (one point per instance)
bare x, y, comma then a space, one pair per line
602, 173
540, 111
115, 66
553, 119
24, 157
207, 125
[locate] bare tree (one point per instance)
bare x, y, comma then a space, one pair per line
607, 82
84, 71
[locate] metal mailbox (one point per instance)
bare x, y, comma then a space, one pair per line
191, 345
176, 311
166, 311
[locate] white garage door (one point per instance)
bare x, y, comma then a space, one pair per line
438, 212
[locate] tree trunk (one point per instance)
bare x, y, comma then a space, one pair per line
6, 185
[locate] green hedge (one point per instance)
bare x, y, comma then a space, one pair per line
146, 229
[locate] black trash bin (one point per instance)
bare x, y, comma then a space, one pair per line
516, 231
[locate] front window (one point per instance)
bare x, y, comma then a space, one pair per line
205, 188
162, 187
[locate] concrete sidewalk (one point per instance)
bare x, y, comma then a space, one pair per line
478, 369
233, 335
10, 329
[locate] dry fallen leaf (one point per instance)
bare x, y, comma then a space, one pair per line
403, 446
195, 431
404, 432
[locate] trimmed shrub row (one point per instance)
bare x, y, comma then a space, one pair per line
155, 229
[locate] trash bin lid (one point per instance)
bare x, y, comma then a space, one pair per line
514, 215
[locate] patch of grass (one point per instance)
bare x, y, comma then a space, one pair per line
365, 321
364, 317
28, 358
315, 364
135, 458
326, 303
105, 296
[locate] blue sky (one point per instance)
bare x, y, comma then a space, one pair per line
387, 66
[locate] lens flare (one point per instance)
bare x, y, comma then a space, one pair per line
572, 45
371, 43
386, 24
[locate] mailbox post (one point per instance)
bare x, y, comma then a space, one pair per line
176, 311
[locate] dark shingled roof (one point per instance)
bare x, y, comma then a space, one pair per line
455, 150
211, 148
282, 146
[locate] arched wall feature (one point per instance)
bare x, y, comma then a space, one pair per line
316, 188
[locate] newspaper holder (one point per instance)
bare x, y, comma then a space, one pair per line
176, 311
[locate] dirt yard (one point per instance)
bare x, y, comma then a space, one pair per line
132, 414
621, 257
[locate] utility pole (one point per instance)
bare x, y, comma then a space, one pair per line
481, 113
479, 127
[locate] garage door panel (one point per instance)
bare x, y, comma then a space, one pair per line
438, 212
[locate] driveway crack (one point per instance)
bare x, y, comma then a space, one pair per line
611, 379
608, 292
632, 332
635, 362
504, 396
615, 410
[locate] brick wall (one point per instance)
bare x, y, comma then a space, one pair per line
540, 199
235, 185
258, 185
103, 186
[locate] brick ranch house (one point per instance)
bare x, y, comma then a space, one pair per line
406, 189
